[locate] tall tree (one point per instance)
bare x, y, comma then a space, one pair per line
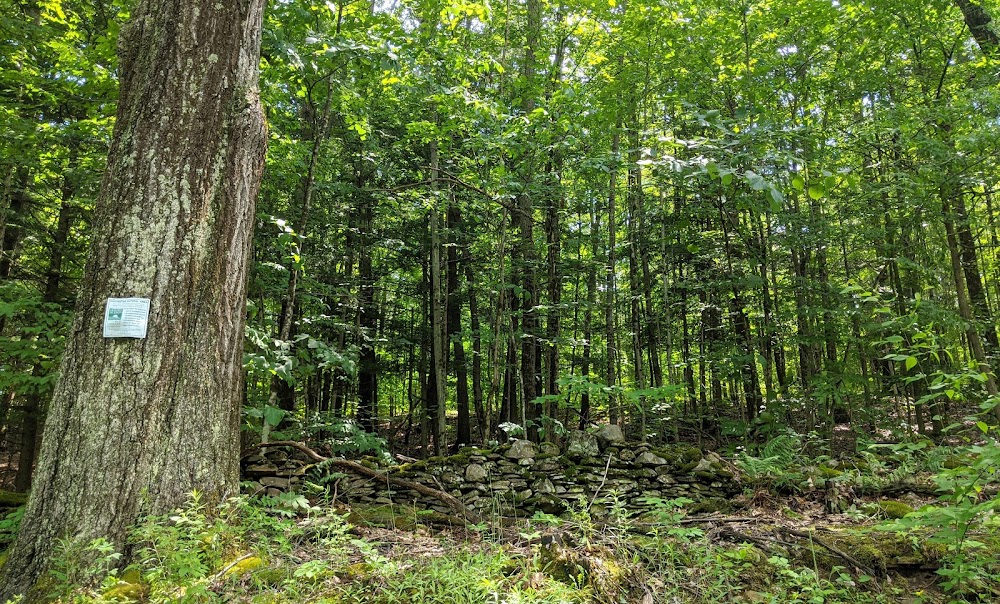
136, 425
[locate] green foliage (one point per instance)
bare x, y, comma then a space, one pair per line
181, 555
964, 524
77, 564
9, 525
344, 436
775, 460
29, 358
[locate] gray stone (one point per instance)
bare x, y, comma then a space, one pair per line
475, 473
547, 449
543, 485
274, 481
610, 434
264, 468
521, 449
650, 459
703, 466
581, 444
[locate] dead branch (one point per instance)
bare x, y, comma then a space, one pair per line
813, 538
357, 468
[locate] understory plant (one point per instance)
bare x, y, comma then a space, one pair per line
964, 525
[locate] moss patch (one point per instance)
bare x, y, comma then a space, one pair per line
9, 499
878, 550
893, 510
245, 566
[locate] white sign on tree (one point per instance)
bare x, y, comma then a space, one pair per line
126, 317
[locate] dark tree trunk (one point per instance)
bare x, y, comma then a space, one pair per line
31, 411
367, 413
609, 282
150, 420
978, 21
482, 421
973, 278
454, 320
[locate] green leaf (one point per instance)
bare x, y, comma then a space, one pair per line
911, 362
756, 181
777, 199
273, 415
798, 184
817, 191
982, 427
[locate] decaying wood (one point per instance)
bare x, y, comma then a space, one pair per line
813, 538
352, 466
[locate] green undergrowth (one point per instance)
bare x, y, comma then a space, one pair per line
291, 549
246, 551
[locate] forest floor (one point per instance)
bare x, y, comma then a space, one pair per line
770, 549
911, 524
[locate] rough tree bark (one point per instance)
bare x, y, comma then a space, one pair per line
136, 425
978, 21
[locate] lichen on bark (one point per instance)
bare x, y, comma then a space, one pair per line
136, 425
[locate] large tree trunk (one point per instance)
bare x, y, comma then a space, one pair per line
136, 425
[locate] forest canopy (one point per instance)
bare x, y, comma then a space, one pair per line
480, 218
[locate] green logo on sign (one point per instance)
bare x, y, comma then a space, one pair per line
114, 314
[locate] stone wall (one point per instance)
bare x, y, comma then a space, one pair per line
523, 477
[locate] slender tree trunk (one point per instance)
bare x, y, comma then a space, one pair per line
610, 333
482, 418
282, 393
964, 307
634, 226
368, 314
32, 409
454, 320
150, 420
553, 236
10, 238
588, 321
439, 328
973, 278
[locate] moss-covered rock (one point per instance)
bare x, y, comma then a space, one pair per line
10, 499
130, 587
879, 550
893, 510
